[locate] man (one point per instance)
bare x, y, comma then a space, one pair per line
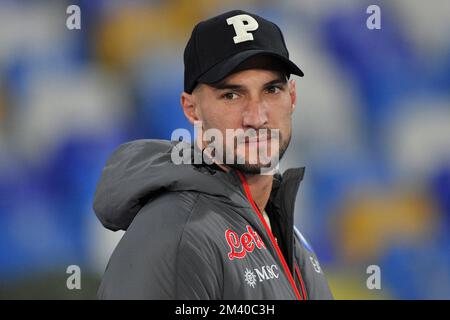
221, 229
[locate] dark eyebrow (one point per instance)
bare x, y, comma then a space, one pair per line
222, 85
279, 80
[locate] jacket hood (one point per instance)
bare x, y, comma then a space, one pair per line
140, 169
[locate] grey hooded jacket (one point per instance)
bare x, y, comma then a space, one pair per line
194, 232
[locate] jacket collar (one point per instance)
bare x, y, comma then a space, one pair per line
281, 207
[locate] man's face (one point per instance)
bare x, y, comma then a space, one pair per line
252, 98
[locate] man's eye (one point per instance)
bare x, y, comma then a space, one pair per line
229, 96
273, 89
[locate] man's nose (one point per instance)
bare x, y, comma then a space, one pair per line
255, 114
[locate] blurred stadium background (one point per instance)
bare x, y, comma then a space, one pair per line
372, 126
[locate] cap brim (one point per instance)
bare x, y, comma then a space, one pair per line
225, 68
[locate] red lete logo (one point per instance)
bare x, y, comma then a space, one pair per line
247, 242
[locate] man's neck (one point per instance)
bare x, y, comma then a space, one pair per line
260, 187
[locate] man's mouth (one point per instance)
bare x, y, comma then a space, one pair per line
257, 139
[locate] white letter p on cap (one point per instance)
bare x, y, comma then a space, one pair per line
243, 23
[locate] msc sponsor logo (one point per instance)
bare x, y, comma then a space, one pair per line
252, 277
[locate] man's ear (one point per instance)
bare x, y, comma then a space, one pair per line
293, 93
189, 106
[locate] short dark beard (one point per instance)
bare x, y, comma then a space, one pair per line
254, 169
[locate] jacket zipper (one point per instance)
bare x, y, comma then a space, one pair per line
269, 232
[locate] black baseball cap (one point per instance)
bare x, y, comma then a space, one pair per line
220, 44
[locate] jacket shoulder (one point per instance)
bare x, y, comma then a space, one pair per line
143, 265
310, 268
